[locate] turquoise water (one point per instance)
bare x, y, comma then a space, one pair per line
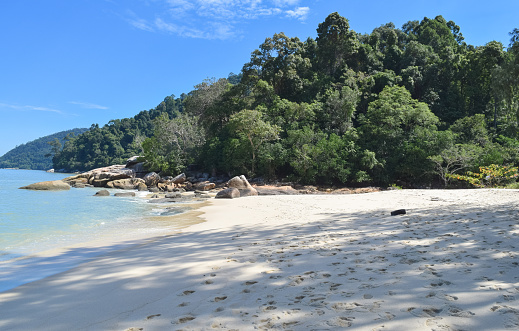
37, 221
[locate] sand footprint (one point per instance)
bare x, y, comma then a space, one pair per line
187, 292
217, 299
458, 312
424, 312
185, 319
342, 321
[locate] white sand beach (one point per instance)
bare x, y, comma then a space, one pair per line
306, 262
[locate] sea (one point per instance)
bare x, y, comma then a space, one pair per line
33, 223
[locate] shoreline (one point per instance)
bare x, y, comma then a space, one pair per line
32, 267
301, 262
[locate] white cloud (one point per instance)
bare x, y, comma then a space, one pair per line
141, 24
300, 13
285, 3
87, 105
212, 19
27, 107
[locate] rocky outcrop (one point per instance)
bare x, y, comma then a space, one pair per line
101, 176
276, 190
151, 179
126, 184
134, 163
179, 179
204, 186
241, 183
53, 185
228, 193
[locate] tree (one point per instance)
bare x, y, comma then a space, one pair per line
204, 102
401, 131
175, 144
281, 62
337, 44
454, 159
249, 124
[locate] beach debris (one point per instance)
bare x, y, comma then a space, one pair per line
398, 212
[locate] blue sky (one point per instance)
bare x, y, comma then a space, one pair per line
67, 64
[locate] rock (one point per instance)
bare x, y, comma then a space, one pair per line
100, 177
100, 182
204, 186
153, 189
133, 161
50, 170
241, 183
113, 173
276, 190
142, 187
139, 169
173, 195
162, 186
398, 212
102, 193
53, 185
228, 193
179, 179
125, 194
151, 179
166, 180
125, 184
78, 183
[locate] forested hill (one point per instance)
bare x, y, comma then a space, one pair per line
35, 154
114, 142
414, 105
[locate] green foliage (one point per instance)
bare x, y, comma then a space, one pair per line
401, 131
37, 154
175, 144
115, 142
491, 176
248, 125
414, 105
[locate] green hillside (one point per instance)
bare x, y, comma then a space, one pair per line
32, 155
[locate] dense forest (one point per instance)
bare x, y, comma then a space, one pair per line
411, 106
37, 154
